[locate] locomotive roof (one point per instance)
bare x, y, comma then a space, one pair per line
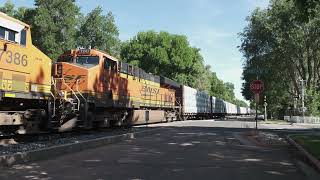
3, 15
106, 54
92, 51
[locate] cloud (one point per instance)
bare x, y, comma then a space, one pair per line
216, 48
200, 8
258, 3
208, 37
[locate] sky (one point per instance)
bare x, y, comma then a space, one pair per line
211, 25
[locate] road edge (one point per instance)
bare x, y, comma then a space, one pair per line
55, 151
314, 161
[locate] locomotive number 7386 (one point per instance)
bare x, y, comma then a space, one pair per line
13, 58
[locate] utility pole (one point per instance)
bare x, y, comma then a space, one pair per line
257, 101
265, 108
302, 96
256, 116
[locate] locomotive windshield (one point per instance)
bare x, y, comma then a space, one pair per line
65, 59
89, 61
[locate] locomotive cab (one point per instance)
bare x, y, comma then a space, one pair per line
25, 78
86, 70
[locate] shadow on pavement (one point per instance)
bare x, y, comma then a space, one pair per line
171, 153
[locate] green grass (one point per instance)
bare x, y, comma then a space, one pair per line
310, 142
276, 121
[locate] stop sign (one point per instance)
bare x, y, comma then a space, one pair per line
257, 86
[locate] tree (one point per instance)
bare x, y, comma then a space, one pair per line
21, 13
166, 54
54, 26
283, 41
8, 8
99, 31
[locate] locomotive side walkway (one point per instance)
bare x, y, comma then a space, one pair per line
182, 150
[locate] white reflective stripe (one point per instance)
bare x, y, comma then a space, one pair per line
11, 25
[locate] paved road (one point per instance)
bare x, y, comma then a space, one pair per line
183, 150
242, 123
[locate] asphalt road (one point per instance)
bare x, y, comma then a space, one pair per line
181, 150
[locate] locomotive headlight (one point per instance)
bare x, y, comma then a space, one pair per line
61, 93
34, 87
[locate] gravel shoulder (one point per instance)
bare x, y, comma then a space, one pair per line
43, 141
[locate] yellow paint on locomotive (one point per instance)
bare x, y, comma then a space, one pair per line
23, 68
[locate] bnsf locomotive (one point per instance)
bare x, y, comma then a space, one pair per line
25, 78
105, 91
87, 88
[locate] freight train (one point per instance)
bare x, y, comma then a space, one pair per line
87, 88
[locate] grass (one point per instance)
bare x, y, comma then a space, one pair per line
310, 142
275, 121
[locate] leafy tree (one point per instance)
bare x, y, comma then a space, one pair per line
283, 41
99, 31
8, 8
20, 13
54, 26
165, 54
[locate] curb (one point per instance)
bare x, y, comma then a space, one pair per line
247, 144
243, 140
47, 153
305, 153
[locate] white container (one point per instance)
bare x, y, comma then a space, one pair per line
219, 106
195, 101
231, 108
243, 110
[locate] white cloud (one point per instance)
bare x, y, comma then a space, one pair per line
208, 37
216, 50
204, 7
258, 3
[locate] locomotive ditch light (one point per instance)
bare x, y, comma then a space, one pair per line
34, 87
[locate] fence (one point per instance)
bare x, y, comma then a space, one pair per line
301, 119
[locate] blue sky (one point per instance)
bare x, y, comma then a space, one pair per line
211, 25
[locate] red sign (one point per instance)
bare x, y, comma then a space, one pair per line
257, 86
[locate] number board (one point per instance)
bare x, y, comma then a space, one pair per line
14, 58
84, 51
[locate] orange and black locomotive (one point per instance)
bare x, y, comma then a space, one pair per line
105, 91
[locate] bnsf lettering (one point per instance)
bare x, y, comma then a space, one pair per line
15, 58
150, 90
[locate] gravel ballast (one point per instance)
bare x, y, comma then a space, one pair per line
43, 141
